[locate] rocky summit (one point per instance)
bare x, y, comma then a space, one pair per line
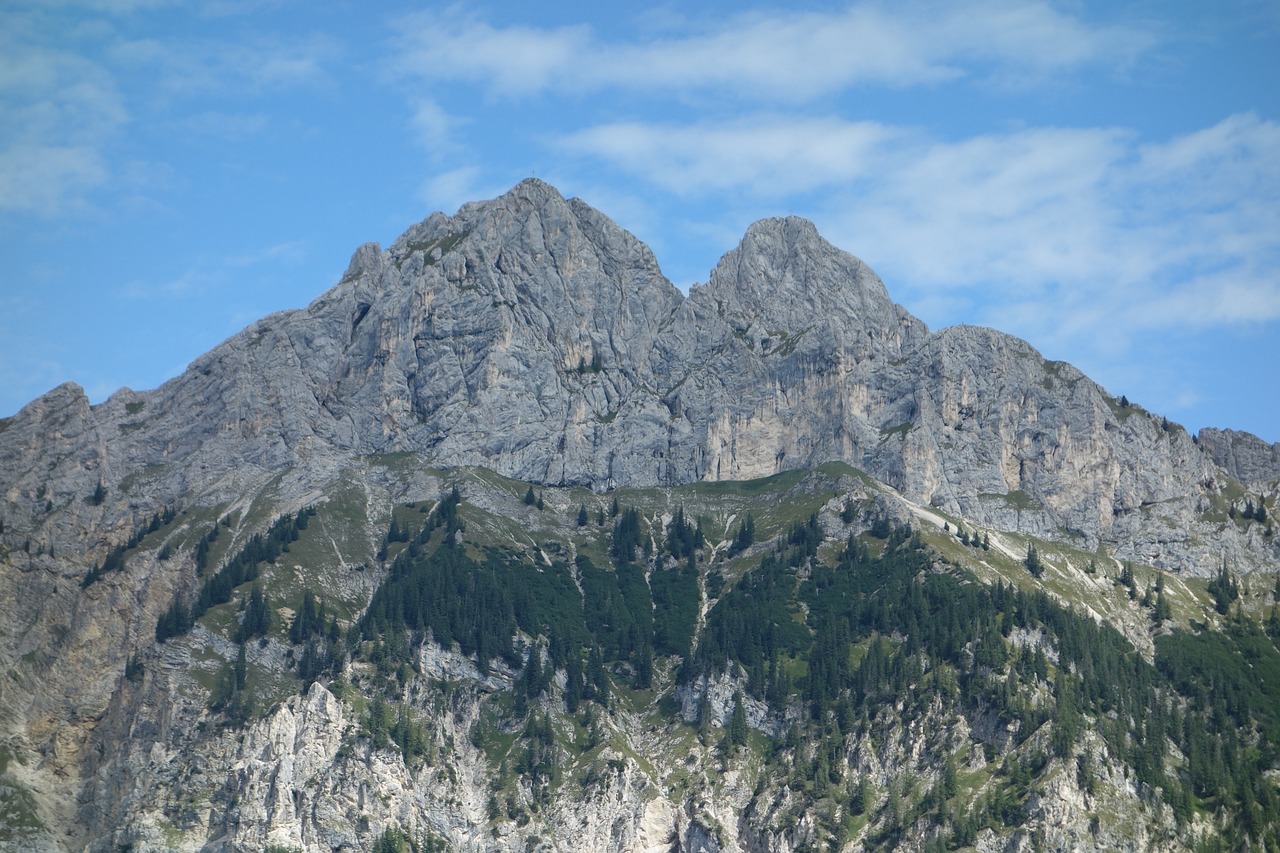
206, 643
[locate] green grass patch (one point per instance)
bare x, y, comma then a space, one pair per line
143, 476
19, 816
444, 245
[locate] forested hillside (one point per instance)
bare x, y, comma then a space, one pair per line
881, 681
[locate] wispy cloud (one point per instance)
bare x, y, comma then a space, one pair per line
190, 67
57, 111
223, 125
63, 106
771, 155
434, 126
450, 189
1086, 235
782, 56
208, 275
48, 179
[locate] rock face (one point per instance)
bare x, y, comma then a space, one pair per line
1245, 456
532, 337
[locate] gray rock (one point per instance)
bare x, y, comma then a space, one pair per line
1242, 455
532, 336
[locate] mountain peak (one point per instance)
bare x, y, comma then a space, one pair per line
785, 274
534, 190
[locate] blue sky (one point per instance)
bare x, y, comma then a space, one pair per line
1102, 179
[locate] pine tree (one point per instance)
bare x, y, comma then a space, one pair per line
1032, 561
134, 669
1128, 581
529, 497
257, 616
745, 536
1224, 589
308, 620
737, 733
582, 515
863, 797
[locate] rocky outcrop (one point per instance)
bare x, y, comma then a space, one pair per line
1243, 455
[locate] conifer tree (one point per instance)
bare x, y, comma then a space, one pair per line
1032, 561
256, 621
737, 733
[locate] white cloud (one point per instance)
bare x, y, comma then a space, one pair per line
63, 86
512, 60
45, 179
434, 126
771, 155
449, 190
57, 111
289, 252
1025, 207
1085, 238
196, 67
779, 56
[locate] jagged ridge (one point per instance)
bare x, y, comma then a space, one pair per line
533, 336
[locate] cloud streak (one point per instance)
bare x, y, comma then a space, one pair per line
780, 56
772, 155
71, 88
57, 110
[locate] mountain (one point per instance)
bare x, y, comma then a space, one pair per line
464, 340
529, 343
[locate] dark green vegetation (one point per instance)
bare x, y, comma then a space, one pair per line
240, 569
844, 644
114, 561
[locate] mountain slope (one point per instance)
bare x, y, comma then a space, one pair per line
530, 337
